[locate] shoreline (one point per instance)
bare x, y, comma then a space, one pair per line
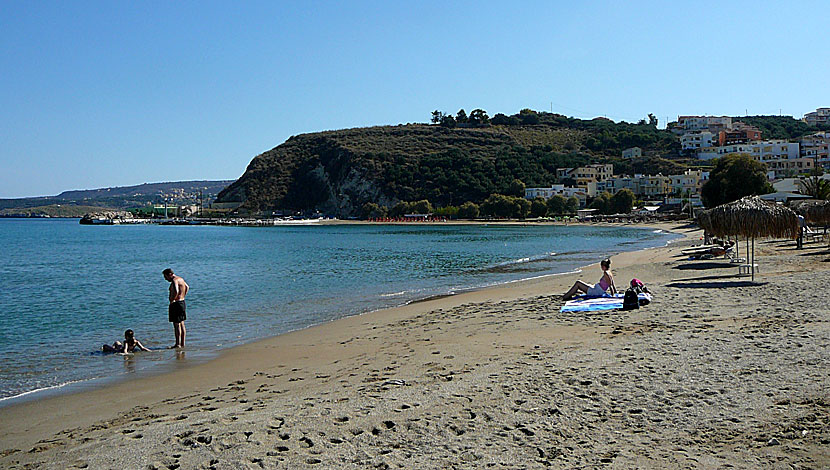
95, 383
101, 384
716, 372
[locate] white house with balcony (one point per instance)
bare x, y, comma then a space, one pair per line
694, 141
771, 150
690, 182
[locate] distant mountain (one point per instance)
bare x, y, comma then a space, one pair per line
123, 197
337, 172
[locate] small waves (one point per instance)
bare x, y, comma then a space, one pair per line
520, 264
40, 390
396, 294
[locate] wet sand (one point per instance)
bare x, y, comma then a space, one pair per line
717, 372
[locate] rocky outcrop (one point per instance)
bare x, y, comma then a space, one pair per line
105, 217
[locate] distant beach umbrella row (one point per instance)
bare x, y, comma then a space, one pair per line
814, 211
750, 217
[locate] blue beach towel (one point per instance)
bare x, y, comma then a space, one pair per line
596, 304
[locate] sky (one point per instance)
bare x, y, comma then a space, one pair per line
103, 94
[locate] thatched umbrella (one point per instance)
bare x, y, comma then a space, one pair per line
750, 217
814, 211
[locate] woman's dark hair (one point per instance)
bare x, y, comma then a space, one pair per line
606, 262
129, 334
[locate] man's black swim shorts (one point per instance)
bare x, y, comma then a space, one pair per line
176, 312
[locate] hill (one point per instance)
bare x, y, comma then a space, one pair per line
779, 127
52, 210
339, 171
123, 197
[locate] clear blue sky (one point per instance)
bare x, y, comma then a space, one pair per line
98, 94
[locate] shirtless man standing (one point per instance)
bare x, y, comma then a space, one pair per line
176, 310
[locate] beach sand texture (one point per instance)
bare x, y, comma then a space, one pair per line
717, 372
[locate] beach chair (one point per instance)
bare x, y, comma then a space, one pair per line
747, 269
812, 235
733, 257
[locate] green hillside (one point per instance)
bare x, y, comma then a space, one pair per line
52, 210
338, 171
121, 197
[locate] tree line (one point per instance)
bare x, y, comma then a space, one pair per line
501, 206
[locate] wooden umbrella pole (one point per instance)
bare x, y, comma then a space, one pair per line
752, 265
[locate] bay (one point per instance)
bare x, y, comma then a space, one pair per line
67, 288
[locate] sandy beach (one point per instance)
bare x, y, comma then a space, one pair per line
717, 372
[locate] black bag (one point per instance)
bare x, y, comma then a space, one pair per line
630, 300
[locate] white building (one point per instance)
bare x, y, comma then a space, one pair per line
560, 189
816, 146
633, 152
587, 177
771, 150
820, 116
717, 152
690, 182
698, 140
764, 151
702, 123
640, 185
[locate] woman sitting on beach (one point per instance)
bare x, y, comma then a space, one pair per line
129, 345
597, 290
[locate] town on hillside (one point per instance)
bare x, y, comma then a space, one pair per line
706, 138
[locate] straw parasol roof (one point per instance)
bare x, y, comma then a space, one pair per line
814, 211
750, 217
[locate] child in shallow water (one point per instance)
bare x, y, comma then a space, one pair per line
129, 345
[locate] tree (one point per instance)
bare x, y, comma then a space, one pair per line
501, 119
437, 116
528, 116
538, 207
461, 116
448, 121
517, 188
370, 210
573, 205
421, 207
652, 120
735, 176
400, 209
557, 204
468, 210
450, 212
816, 187
602, 203
497, 205
521, 207
623, 201
478, 117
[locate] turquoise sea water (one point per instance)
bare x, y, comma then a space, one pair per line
68, 288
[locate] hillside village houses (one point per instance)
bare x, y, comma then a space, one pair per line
594, 179
707, 137
820, 116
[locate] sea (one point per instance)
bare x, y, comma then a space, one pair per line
66, 288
